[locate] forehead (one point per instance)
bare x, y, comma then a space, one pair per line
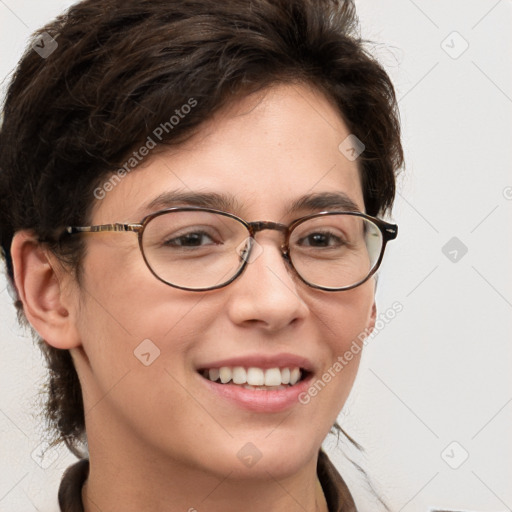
261, 154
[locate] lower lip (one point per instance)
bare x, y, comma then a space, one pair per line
260, 400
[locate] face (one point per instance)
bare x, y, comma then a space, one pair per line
263, 154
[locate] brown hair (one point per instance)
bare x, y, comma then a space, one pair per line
120, 68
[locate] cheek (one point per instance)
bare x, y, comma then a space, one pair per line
125, 299
345, 316
137, 334
127, 314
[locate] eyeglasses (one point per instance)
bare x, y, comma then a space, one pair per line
200, 249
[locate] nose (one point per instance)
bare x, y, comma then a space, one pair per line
267, 294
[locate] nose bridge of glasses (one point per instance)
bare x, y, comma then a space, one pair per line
255, 227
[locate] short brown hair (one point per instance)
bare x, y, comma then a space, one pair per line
122, 67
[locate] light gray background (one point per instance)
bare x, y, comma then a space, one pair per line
439, 372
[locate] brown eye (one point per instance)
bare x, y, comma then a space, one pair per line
193, 239
321, 239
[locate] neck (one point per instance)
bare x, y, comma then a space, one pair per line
128, 488
134, 478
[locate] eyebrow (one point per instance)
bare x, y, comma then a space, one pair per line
211, 200
324, 201
310, 202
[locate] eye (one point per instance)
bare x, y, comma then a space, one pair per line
321, 239
192, 239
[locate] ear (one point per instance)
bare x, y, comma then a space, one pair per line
372, 319
41, 282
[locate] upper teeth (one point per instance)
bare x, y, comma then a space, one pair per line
254, 376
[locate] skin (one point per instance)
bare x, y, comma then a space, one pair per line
158, 438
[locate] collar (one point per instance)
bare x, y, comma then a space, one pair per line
336, 492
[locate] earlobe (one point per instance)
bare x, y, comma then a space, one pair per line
40, 287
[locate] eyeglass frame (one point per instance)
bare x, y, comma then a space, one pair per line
389, 232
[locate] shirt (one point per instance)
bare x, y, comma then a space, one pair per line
336, 492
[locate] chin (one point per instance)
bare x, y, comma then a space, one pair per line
271, 454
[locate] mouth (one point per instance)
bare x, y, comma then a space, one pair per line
258, 384
254, 378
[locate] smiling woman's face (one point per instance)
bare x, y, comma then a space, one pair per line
262, 156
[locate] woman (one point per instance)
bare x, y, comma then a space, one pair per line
189, 216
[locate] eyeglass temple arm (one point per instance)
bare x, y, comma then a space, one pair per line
103, 227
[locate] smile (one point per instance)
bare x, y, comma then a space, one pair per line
263, 384
255, 378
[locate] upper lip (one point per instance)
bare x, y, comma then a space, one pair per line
262, 361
